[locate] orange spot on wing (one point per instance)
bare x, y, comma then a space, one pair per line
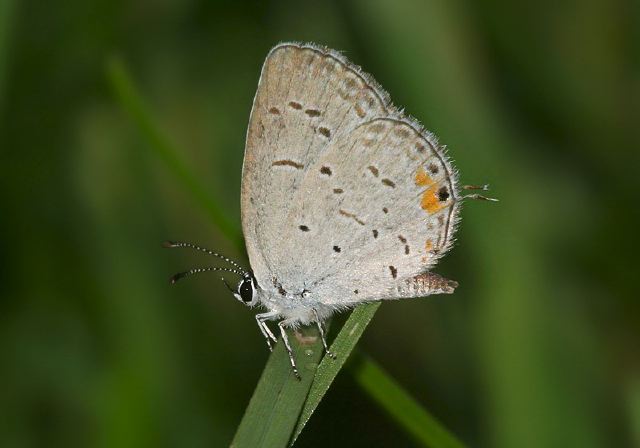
422, 178
430, 201
428, 245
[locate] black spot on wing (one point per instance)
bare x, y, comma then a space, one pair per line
443, 194
324, 132
291, 163
389, 183
352, 216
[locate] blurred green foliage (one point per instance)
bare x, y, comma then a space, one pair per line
539, 345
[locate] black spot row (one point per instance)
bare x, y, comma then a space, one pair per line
403, 240
297, 106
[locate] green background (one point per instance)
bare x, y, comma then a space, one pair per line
539, 346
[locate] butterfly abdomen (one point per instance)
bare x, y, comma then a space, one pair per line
426, 284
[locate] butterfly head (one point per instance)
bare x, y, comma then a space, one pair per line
246, 290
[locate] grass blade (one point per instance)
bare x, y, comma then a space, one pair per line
633, 409
7, 14
400, 405
342, 346
131, 101
278, 398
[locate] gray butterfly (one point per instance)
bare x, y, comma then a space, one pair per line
345, 200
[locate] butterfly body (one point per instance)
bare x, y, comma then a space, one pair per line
296, 308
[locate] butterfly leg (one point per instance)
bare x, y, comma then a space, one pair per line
285, 339
264, 328
324, 339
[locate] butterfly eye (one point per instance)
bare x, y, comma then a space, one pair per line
246, 290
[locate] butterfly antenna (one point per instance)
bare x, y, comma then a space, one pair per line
181, 275
227, 285
171, 244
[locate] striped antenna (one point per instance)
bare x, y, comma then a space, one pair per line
171, 244
181, 275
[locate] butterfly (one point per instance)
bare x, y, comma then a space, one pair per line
345, 199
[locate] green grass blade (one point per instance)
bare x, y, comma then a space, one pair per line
131, 101
7, 14
278, 398
342, 346
400, 405
633, 409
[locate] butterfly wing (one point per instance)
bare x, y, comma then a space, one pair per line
307, 97
342, 195
394, 216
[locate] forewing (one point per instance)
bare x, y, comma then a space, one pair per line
308, 99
